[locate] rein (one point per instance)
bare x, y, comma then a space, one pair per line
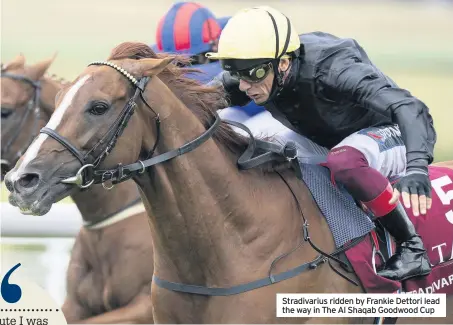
88, 174
32, 107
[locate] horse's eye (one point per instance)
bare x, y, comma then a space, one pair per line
98, 108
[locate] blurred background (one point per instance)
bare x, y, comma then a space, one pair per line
411, 41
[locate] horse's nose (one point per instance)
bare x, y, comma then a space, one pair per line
25, 183
8, 183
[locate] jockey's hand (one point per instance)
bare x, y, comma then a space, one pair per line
415, 188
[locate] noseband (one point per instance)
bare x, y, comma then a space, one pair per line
32, 107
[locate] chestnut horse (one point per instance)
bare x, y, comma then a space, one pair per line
110, 272
216, 229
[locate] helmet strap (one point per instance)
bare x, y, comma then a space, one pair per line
277, 83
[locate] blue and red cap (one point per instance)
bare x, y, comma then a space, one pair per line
188, 28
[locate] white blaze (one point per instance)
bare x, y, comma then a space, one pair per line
53, 123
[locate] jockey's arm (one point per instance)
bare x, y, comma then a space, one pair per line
348, 77
231, 85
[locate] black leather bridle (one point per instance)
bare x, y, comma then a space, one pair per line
89, 174
32, 108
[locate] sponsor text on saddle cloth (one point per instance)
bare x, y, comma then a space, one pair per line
436, 228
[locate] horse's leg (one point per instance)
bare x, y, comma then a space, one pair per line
73, 311
77, 270
138, 311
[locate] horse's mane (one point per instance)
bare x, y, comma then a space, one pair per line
201, 99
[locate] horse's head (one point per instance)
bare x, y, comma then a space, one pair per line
90, 120
20, 89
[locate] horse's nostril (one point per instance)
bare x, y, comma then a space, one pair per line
28, 180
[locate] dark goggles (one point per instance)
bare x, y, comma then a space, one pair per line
253, 75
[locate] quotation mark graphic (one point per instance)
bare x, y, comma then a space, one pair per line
11, 293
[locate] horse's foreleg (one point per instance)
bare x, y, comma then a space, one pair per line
78, 267
73, 311
138, 311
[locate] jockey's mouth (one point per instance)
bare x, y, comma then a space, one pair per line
254, 96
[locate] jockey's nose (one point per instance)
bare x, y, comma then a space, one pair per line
25, 183
244, 85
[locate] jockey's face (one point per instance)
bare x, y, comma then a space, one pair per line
259, 91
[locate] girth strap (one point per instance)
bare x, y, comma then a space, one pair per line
210, 291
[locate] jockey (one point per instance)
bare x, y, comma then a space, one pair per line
327, 89
190, 29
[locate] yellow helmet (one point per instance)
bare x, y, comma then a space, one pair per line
254, 36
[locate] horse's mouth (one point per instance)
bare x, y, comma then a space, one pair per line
36, 207
5, 167
41, 205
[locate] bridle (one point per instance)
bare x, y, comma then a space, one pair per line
89, 174
32, 107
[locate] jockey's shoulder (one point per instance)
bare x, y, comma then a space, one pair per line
319, 48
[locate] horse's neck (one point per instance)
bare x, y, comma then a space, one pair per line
96, 203
204, 212
447, 164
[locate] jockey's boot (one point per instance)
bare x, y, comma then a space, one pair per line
410, 259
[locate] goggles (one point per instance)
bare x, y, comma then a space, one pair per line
253, 75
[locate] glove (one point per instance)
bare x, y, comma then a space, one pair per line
412, 186
416, 181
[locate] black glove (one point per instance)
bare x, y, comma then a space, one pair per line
416, 181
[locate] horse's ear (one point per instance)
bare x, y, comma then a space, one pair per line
17, 63
38, 70
152, 67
